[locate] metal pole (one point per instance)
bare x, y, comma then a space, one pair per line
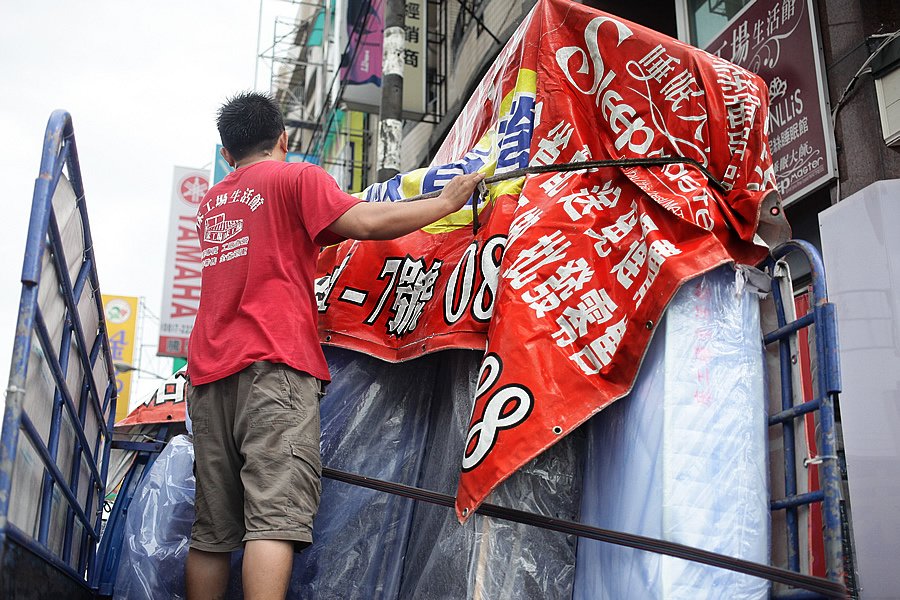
390, 127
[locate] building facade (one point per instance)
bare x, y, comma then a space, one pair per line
332, 106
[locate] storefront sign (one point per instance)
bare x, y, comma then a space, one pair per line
777, 40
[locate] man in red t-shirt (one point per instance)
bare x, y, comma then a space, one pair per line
255, 363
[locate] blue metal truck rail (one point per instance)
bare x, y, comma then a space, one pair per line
51, 550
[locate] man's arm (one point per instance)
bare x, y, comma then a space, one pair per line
388, 220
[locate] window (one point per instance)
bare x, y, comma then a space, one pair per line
709, 17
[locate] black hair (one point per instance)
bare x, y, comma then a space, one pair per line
249, 123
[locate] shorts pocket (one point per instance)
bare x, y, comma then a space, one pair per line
272, 417
309, 454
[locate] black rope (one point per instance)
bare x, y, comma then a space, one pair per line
577, 166
588, 165
819, 585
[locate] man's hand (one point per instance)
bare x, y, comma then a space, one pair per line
458, 190
389, 220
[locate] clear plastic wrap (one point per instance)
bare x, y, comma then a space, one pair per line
489, 558
683, 457
406, 423
158, 528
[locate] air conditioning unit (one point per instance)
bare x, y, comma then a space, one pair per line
886, 71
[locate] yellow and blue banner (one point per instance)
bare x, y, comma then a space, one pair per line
121, 324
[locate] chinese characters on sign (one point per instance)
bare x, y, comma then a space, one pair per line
776, 40
181, 285
121, 321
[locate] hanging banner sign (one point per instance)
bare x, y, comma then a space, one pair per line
361, 75
181, 283
777, 40
166, 405
569, 272
121, 322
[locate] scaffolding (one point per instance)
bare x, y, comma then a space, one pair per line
307, 54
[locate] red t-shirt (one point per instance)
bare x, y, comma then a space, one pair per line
260, 232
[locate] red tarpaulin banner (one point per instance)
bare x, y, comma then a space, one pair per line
569, 273
164, 406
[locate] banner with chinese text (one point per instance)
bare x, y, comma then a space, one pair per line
181, 280
362, 69
569, 272
777, 40
121, 323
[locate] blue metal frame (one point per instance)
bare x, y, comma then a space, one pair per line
110, 551
828, 386
59, 153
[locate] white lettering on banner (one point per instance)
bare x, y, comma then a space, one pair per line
592, 57
459, 289
687, 187
491, 256
596, 198
506, 408
679, 174
658, 63
325, 285
390, 267
415, 287
621, 117
548, 249
549, 147
484, 263
556, 183
568, 279
595, 307
631, 265
615, 233
657, 66
682, 88
598, 354
647, 225
523, 223
659, 251
740, 94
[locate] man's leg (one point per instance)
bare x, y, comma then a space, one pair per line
219, 496
207, 574
267, 569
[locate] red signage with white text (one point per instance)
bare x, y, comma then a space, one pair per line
181, 286
568, 273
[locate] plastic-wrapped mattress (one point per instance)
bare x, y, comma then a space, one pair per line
683, 457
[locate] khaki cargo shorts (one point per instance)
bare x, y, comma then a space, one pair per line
256, 457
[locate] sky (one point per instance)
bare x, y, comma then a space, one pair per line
142, 82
